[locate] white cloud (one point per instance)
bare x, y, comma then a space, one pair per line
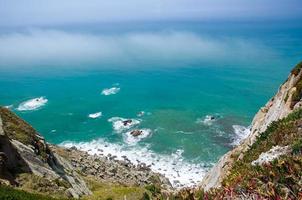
70, 49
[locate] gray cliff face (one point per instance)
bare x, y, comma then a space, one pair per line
278, 107
35, 158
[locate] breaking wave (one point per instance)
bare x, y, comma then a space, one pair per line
174, 166
32, 104
120, 124
130, 139
208, 120
110, 91
95, 115
241, 132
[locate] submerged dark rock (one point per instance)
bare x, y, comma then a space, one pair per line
136, 133
127, 122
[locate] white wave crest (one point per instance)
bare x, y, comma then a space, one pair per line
132, 140
207, 120
110, 91
32, 104
179, 171
241, 132
95, 115
9, 106
121, 124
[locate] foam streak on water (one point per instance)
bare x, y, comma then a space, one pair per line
110, 91
32, 104
95, 115
180, 172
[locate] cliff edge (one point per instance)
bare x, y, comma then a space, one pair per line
287, 99
24, 152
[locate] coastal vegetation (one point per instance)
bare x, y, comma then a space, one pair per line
107, 191
277, 179
297, 69
9, 193
298, 92
17, 129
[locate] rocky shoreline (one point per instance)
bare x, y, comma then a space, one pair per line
28, 162
108, 168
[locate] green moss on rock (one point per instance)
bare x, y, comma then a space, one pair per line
8, 193
278, 179
297, 147
297, 95
105, 191
16, 128
297, 69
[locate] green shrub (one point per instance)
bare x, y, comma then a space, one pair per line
153, 189
279, 179
297, 147
297, 69
297, 94
146, 196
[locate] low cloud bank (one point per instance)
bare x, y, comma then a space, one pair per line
69, 49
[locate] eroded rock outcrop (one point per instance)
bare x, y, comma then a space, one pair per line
271, 155
23, 150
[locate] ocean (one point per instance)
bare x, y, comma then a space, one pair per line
191, 88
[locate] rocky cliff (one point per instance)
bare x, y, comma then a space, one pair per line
29, 163
287, 99
24, 151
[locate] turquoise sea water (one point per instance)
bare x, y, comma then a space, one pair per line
177, 73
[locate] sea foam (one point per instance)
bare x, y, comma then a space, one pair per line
119, 126
174, 166
95, 115
241, 132
32, 104
110, 91
9, 106
132, 140
207, 120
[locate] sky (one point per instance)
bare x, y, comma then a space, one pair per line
60, 12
